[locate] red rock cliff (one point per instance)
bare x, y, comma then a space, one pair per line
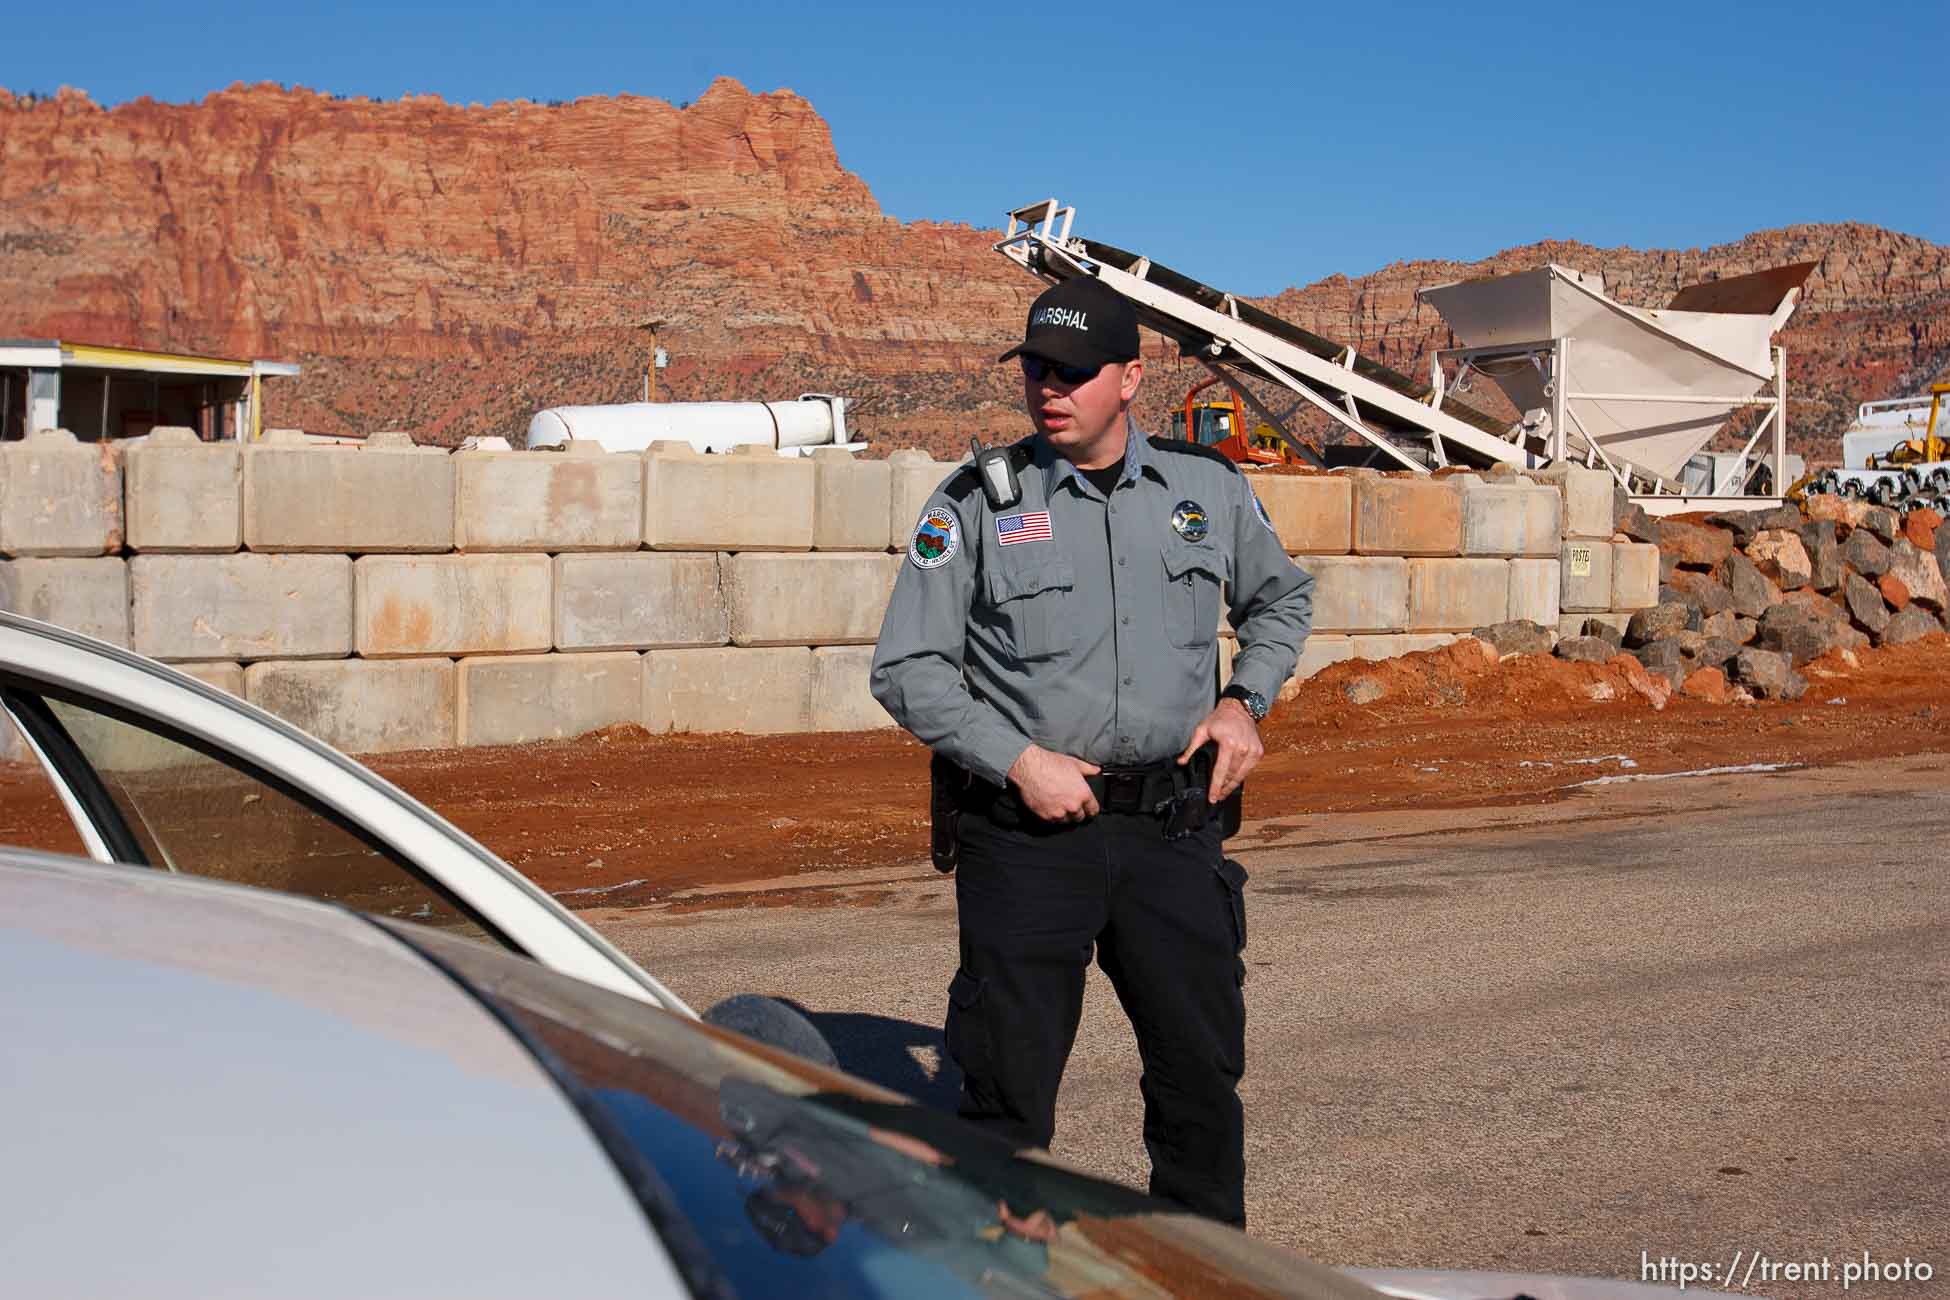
451, 270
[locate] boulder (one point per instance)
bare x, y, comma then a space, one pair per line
1728, 626
1920, 526
1694, 546
1662, 620
1831, 509
1943, 551
1708, 684
1865, 605
1667, 567
1800, 634
1894, 590
1829, 611
1607, 631
1639, 526
1762, 672
1667, 659
1745, 524
1515, 637
1779, 554
1824, 550
1884, 523
1867, 556
1586, 649
1715, 650
1655, 688
1919, 572
1702, 591
1753, 593
1911, 624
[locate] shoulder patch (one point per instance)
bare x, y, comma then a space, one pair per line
1186, 448
936, 538
1260, 510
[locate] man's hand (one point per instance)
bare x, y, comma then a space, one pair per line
1052, 785
1239, 747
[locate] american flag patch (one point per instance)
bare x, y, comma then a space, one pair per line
1032, 527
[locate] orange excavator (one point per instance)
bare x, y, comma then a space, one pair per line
1222, 426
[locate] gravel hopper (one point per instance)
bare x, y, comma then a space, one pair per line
1638, 392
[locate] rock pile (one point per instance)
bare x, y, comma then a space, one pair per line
1747, 598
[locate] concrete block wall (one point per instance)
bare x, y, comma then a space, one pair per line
388, 596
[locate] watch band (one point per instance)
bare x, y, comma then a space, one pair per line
1255, 703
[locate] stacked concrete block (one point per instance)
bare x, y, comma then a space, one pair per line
85, 594
243, 607
1313, 514
1587, 498
1517, 518
452, 604
59, 496
1586, 576
915, 475
750, 500
581, 498
184, 494
1536, 591
1634, 575
385, 495
753, 692
1407, 516
829, 599
362, 706
1355, 593
852, 502
1457, 595
840, 698
641, 601
513, 699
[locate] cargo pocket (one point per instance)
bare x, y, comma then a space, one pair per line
1232, 878
1192, 575
967, 1030
1032, 607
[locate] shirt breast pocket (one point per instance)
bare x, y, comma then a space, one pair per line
1034, 608
1192, 577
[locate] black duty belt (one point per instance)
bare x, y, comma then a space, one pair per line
1136, 789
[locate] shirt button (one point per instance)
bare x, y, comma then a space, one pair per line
1128, 680
1120, 561
1127, 620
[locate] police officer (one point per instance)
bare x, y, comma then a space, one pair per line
1053, 637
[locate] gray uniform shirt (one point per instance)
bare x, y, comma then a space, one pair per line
1083, 623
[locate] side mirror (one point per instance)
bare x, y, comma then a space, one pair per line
774, 1023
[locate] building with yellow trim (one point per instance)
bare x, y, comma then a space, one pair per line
97, 392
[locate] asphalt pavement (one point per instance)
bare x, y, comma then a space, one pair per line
1652, 1020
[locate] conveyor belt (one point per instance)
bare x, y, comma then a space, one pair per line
1324, 348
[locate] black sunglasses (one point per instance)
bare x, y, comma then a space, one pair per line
1034, 368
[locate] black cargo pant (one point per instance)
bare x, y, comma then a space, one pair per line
1167, 923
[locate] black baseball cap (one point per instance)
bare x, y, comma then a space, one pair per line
1080, 322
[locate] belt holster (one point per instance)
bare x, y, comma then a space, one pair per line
1190, 808
947, 785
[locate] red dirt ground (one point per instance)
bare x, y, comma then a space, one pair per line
633, 817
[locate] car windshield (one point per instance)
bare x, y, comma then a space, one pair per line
769, 1176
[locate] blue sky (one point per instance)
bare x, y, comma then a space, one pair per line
1255, 146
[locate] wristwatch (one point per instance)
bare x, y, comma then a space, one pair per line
1256, 705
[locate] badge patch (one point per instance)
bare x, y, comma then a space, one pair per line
1260, 510
1030, 527
936, 538
1189, 521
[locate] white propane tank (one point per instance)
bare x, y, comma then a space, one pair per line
815, 420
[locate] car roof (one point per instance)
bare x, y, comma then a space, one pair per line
213, 1090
